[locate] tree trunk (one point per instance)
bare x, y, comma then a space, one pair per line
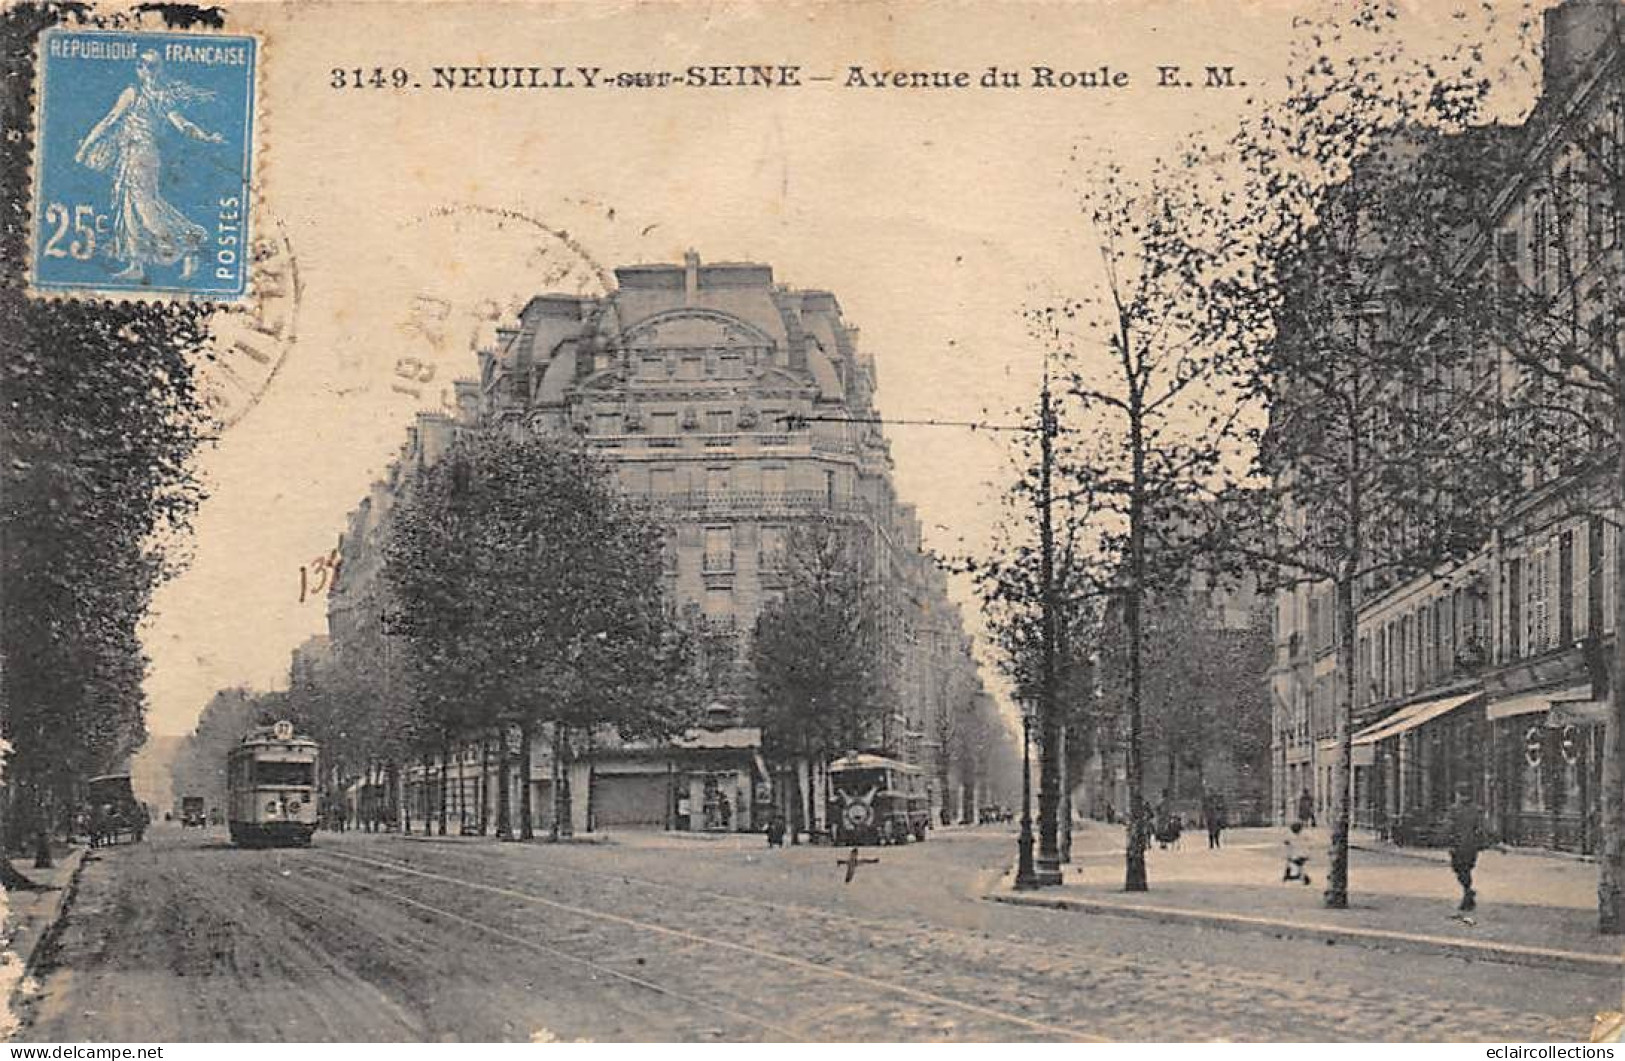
527, 823
1134, 875
1337, 875
504, 791
563, 823
482, 786
42, 830
592, 807
1066, 800
1611, 853
445, 782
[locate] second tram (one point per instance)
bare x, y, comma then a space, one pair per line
877, 801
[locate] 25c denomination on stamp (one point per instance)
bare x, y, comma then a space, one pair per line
144, 145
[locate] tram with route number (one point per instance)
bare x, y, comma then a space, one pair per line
271, 796
877, 800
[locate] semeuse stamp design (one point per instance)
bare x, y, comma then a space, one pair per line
143, 154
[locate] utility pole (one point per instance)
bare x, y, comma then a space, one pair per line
1049, 760
1047, 870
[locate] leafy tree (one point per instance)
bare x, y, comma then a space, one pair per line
1357, 190
530, 593
816, 650
1011, 581
100, 418
1149, 369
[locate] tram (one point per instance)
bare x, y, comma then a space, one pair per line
877, 800
271, 788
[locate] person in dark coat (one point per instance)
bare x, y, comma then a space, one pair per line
1468, 837
1213, 818
1306, 808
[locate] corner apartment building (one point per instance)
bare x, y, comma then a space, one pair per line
741, 408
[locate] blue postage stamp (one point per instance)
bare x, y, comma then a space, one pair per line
142, 154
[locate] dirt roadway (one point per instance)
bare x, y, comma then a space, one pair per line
375, 938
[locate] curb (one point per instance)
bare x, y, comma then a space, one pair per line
54, 918
1428, 854
1377, 938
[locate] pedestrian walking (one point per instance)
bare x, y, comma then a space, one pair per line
1468, 837
1213, 819
775, 831
1306, 808
1296, 860
1162, 826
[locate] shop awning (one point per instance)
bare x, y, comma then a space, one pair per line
1586, 712
1414, 715
1535, 703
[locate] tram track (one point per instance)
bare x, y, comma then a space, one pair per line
1045, 978
549, 951
813, 973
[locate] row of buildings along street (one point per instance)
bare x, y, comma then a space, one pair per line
1492, 674
742, 408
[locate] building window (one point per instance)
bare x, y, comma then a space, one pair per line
731, 366
773, 480
1565, 589
720, 421
773, 548
719, 602
663, 423
1444, 651
651, 366
663, 481
692, 366
1506, 256
606, 423
1513, 584
719, 548
716, 481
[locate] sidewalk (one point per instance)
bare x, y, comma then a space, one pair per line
29, 918
1532, 911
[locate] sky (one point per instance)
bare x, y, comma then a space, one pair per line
418, 216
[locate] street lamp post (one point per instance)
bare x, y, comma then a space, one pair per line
1026, 876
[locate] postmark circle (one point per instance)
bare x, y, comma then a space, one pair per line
249, 342
486, 263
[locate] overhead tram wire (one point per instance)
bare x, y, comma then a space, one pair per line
795, 420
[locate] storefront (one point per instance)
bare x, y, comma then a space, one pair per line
1548, 749
1408, 766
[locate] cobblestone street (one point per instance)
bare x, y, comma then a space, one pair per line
661, 936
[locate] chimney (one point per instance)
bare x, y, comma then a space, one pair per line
1575, 32
691, 278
